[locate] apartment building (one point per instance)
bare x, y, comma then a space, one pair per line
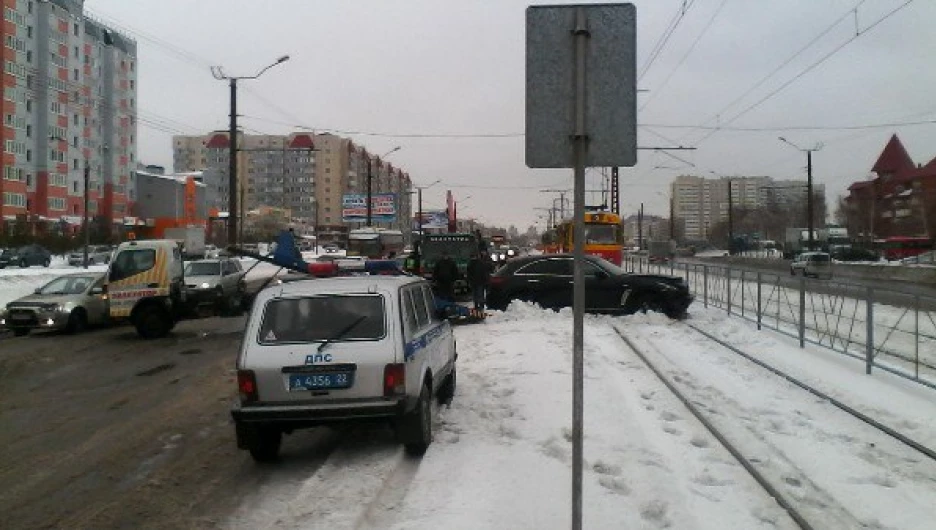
700, 203
69, 102
306, 175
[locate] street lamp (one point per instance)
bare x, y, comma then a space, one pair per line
809, 190
370, 179
218, 73
419, 216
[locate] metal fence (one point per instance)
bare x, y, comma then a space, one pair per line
893, 330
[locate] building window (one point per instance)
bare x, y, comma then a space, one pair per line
76, 31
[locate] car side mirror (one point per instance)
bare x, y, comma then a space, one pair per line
38, 290
602, 275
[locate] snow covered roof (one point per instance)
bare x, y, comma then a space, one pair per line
181, 178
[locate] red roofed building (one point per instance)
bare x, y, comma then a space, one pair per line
899, 201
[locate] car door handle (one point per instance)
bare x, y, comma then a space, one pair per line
533, 281
153, 285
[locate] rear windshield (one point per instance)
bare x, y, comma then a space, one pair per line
819, 258
203, 268
320, 318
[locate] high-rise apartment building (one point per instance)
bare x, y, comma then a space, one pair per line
69, 101
700, 203
304, 174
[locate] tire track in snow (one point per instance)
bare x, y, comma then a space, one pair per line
763, 430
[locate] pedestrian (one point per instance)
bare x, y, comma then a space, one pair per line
445, 274
479, 276
482, 244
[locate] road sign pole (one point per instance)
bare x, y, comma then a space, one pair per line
578, 295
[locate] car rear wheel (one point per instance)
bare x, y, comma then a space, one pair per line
20, 332
23, 263
77, 321
416, 429
266, 444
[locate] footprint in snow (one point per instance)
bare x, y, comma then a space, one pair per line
706, 479
669, 416
656, 511
671, 430
615, 484
698, 441
604, 468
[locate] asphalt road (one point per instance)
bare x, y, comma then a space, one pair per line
105, 430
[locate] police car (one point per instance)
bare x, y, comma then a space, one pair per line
338, 349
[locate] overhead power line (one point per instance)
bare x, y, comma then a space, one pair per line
665, 37
812, 66
654, 93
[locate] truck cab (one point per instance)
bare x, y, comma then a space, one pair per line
145, 285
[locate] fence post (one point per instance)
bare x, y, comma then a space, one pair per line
758, 301
728, 285
742, 292
802, 312
869, 339
705, 285
916, 335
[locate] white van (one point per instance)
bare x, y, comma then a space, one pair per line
332, 350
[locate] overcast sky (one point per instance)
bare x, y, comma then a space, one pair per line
428, 67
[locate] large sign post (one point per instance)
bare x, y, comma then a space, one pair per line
581, 110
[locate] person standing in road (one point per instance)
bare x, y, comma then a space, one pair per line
479, 276
444, 274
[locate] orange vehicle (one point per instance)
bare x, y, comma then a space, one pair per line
602, 235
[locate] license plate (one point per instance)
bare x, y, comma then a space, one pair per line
320, 381
20, 317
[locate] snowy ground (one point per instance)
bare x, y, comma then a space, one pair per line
501, 456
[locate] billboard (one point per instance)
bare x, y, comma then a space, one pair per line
431, 219
354, 207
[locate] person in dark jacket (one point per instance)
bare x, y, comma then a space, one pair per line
479, 276
444, 274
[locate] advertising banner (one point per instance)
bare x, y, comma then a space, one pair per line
354, 207
431, 219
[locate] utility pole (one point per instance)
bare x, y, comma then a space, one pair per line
218, 73
640, 244
233, 210
84, 217
810, 221
730, 220
562, 194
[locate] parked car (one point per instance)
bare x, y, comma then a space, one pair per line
212, 252
546, 280
26, 256
97, 255
854, 254
816, 264
70, 303
218, 281
335, 350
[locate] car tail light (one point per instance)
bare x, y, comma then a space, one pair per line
247, 385
498, 280
394, 380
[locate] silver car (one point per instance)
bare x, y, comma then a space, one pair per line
97, 255
216, 281
70, 303
334, 350
816, 264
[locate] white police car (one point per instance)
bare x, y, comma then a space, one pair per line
332, 350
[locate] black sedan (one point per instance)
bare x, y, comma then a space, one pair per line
546, 280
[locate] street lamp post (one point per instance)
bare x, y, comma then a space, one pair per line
370, 179
419, 217
809, 187
218, 73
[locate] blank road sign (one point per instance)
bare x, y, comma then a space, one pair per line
610, 85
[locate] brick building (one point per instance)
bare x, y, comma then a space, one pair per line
900, 200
